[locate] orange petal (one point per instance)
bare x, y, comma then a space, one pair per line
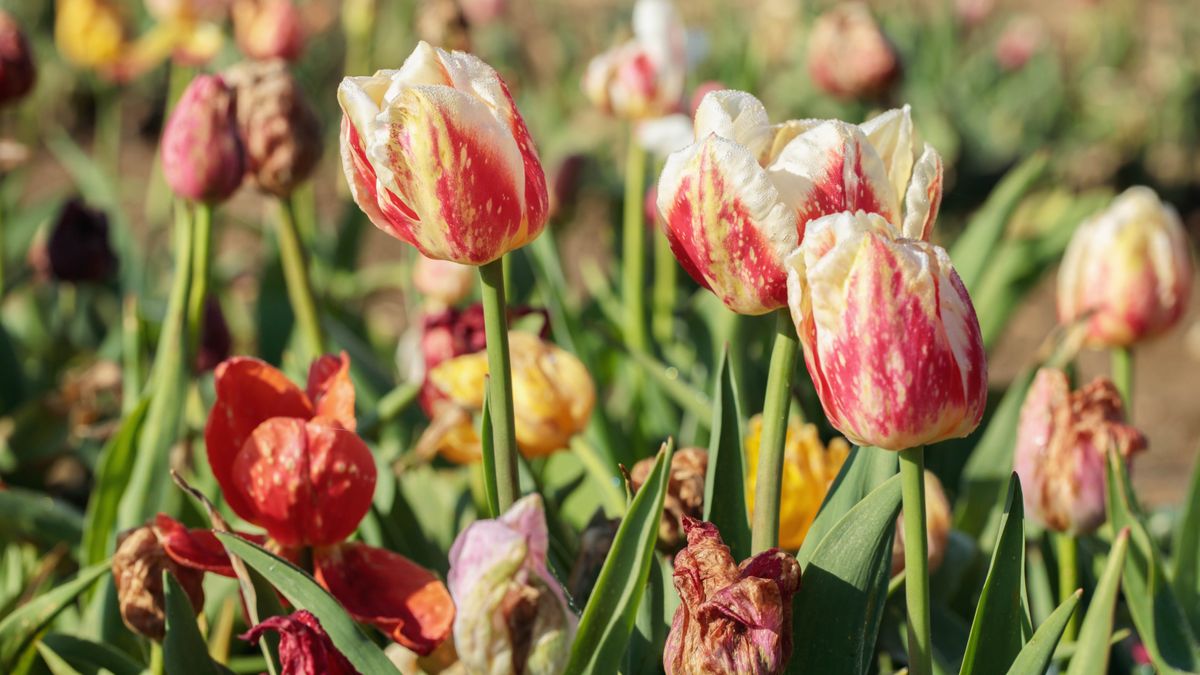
389, 591
197, 549
331, 390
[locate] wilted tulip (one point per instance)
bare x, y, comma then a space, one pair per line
278, 126
202, 154
443, 282
809, 467
17, 71
304, 648
1127, 271
736, 202
512, 614
78, 249
731, 618
937, 526
848, 54
268, 29
437, 155
1063, 440
890, 337
138, 567
685, 492
643, 77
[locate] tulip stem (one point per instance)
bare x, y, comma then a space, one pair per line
633, 244
500, 396
916, 561
665, 276
764, 531
299, 285
1068, 578
1122, 376
201, 274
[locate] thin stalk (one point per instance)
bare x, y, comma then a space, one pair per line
156, 658
666, 273
131, 354
201, 274
633, 244
916, 561
764, 530
1068, 578
107, 141
504, 437
299, 286
1122, 376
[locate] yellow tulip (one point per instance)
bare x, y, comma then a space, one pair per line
90, 33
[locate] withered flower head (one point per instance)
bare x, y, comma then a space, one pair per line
215, 341
138, 567
685, 492
304, 648
17, 71
78, 249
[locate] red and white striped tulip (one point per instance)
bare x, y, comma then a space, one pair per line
737, 201
437, 155
1127, 271
644, 77
890, 337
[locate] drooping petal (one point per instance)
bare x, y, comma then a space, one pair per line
331, 390
249, 392
195, 548
304, 647
389, 591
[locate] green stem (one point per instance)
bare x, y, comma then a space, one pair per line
633, 243
131, 354
201, 274
916, 561
666, 273
156, 658
107, 143
504, 437
1122, 376
1068, 578
299, 286
764, 531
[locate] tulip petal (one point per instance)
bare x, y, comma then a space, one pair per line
895, 139
388, 591
249, 392
924, 196
197, 549
310, 483
304, 647
331, 390
727, 225
735, 116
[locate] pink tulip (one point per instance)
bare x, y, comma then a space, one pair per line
642, 78
268, 29
202, 153
848, 54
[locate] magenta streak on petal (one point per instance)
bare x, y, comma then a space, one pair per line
537, 199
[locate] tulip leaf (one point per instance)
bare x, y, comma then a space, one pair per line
608, 619
19, 629
841, 599
303, 592
112, 476
91, 657
1186, 577
1092, 648
996, 637
35, 516
56, 664
864, 470
725, 483
1160, 619
491, 490
1036, 655
184, 649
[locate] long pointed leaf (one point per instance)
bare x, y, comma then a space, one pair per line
1186, 578
112, 477
865, 469
1035, 657
1091, 655
725, 484
996, 637
184, 649
19, 628
91, 656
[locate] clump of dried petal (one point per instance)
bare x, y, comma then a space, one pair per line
304, 647
685, 492
138, 567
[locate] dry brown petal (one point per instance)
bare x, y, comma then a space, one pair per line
685, 492
137, 570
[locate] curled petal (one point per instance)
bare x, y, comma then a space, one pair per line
331, 390
736, 116
389, 591
197, 549
304, 648
924, 196
894, 137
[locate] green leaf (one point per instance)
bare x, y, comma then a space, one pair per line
302, 592
608, 619
1186, 579
56, 664
112, 476
844, 589
184, 649
865, 469
34, 516
1035, 657
488, 465
996, 638
1091, 655
19, 629
90, 657
725, 484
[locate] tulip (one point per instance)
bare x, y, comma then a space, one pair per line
848, 54
737, 202
17, 70
304, 647
890, 337
138, 567
192, 25
1127, 271
78, 249
90, 33
1063, 440
512, 614
280, 129
202, 155
809, 467
937, 526
642, 78
731, 618
268, 29
215, 340
437, 155
444, 283
685, 492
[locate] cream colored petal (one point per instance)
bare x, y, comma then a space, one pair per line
894, 138
736, 116
924, 195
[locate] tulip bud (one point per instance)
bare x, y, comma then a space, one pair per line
17, 71
848, 54
268, 29
437, 155
280, 130
1127, 271
512, 615
138, 567
304, 647
890, 337
731, 618
642, 78
1063, 440
78, 249
937, 526
443, 282
809, 468
685, 492
202, 154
